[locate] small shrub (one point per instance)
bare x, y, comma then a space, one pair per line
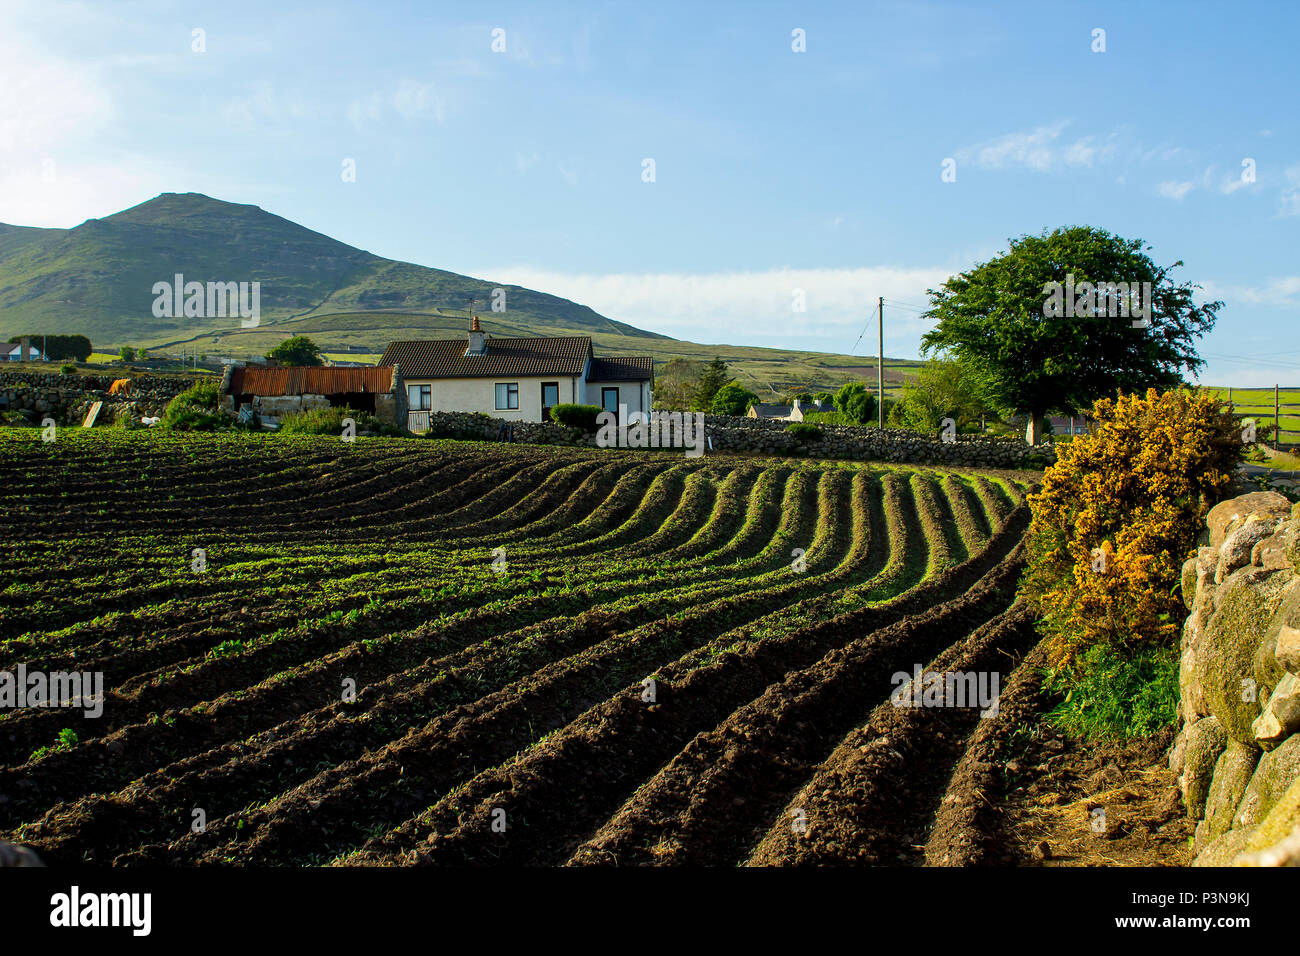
201, 395
576, 416
828, 418
68, 370
194, 410
1115, 693
187, 418
804, 432
329, 421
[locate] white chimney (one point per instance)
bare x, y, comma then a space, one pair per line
477, 340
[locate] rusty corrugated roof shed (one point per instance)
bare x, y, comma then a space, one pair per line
310, 381
445, 358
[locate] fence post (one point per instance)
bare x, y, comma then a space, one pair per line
1277, 418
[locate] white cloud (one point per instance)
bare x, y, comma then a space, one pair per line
1039, 149
29, 197
747, 306
1283, 292
1291, 193
45, 99
526, 161
1176, 190
412, 100
267, 105
415, 101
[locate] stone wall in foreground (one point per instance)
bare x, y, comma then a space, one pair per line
1238, 751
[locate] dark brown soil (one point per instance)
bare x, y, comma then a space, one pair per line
1027, 794
1074, 803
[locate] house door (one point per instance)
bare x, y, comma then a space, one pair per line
550, 398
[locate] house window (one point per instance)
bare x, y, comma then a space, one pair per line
420, 397
609, 399
507, 395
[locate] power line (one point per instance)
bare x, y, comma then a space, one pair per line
909, 305
1251, 361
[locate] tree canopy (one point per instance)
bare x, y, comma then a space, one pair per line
712, 378
732, 399
941, 389
994, 320
855, 403
298, 350
58, 346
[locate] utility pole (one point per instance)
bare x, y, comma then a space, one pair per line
880, 366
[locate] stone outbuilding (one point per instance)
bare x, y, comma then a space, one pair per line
276, 392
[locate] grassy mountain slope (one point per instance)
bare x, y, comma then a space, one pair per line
97, 279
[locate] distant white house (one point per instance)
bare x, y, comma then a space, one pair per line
15, 353
517, 379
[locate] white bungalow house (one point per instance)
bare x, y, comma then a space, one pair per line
517, 379
14, 353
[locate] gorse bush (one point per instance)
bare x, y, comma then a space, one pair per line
1118, 515
576, 416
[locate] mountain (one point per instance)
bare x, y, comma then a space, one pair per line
97, 278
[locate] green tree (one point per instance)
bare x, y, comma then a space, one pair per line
997, 320
298, 350
732, 399
712, 378
941, 389
855, 403
675, 385
127, 354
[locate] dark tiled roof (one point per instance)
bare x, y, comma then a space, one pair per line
772, 411
446, 358
309, 381
634, 368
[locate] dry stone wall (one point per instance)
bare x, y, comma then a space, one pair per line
767, 437
1238, 749
770, 436
67, 398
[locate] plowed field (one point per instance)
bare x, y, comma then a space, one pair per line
558, 656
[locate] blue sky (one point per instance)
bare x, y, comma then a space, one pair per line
775, 171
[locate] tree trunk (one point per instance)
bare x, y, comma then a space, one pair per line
1034, 429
